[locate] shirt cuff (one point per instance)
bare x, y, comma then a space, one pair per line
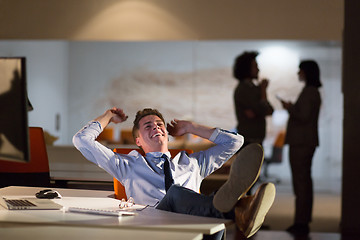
94, 123
214, 134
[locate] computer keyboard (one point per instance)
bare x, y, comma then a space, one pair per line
19, 203
117, 213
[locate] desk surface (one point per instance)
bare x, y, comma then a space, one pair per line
14, 231
145, 220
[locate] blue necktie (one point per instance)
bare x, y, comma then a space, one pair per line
167, 171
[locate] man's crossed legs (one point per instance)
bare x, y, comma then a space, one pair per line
229, 201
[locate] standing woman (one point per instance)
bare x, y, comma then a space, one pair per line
302, 137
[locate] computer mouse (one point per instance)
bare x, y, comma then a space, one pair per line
47, 193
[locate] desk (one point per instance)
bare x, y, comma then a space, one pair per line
148, 219
20, 231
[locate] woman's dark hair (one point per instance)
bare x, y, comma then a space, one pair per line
242, 65
312, 73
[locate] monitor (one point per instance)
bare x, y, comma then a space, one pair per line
14, 136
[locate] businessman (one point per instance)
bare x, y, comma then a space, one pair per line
172, 183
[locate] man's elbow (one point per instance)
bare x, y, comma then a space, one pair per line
239, 142
78, 140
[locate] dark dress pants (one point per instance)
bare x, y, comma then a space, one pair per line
182, 200
300, 162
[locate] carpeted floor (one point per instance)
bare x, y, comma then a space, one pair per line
326, 212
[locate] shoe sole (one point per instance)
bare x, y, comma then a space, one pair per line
266, 199
244, 172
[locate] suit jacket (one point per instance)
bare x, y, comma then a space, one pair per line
247, 96
302, 128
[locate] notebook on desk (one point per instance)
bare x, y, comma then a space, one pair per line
29, 204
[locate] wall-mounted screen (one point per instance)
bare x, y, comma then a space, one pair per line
14, 143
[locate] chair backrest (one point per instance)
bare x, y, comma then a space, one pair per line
118, 187
33, 173
277, 151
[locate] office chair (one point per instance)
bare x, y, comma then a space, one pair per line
36, 172
275, 158
118, 187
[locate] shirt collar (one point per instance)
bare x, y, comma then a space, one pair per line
155, 159
157, 155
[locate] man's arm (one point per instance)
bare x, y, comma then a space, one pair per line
85, 141
226, 144
248, 103
181, 127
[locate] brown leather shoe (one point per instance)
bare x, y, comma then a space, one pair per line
250, 211
244, 172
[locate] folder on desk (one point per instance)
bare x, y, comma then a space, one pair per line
29, 204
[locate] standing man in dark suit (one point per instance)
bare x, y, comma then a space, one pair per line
250, 98
302, 137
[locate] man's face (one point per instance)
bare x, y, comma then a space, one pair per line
153, 136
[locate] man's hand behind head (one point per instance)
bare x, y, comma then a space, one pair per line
118, 115
178, 127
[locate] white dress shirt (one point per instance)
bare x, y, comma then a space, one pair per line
143, 177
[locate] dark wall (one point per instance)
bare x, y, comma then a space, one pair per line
351, 88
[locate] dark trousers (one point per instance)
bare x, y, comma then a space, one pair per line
182, 200
300, 162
